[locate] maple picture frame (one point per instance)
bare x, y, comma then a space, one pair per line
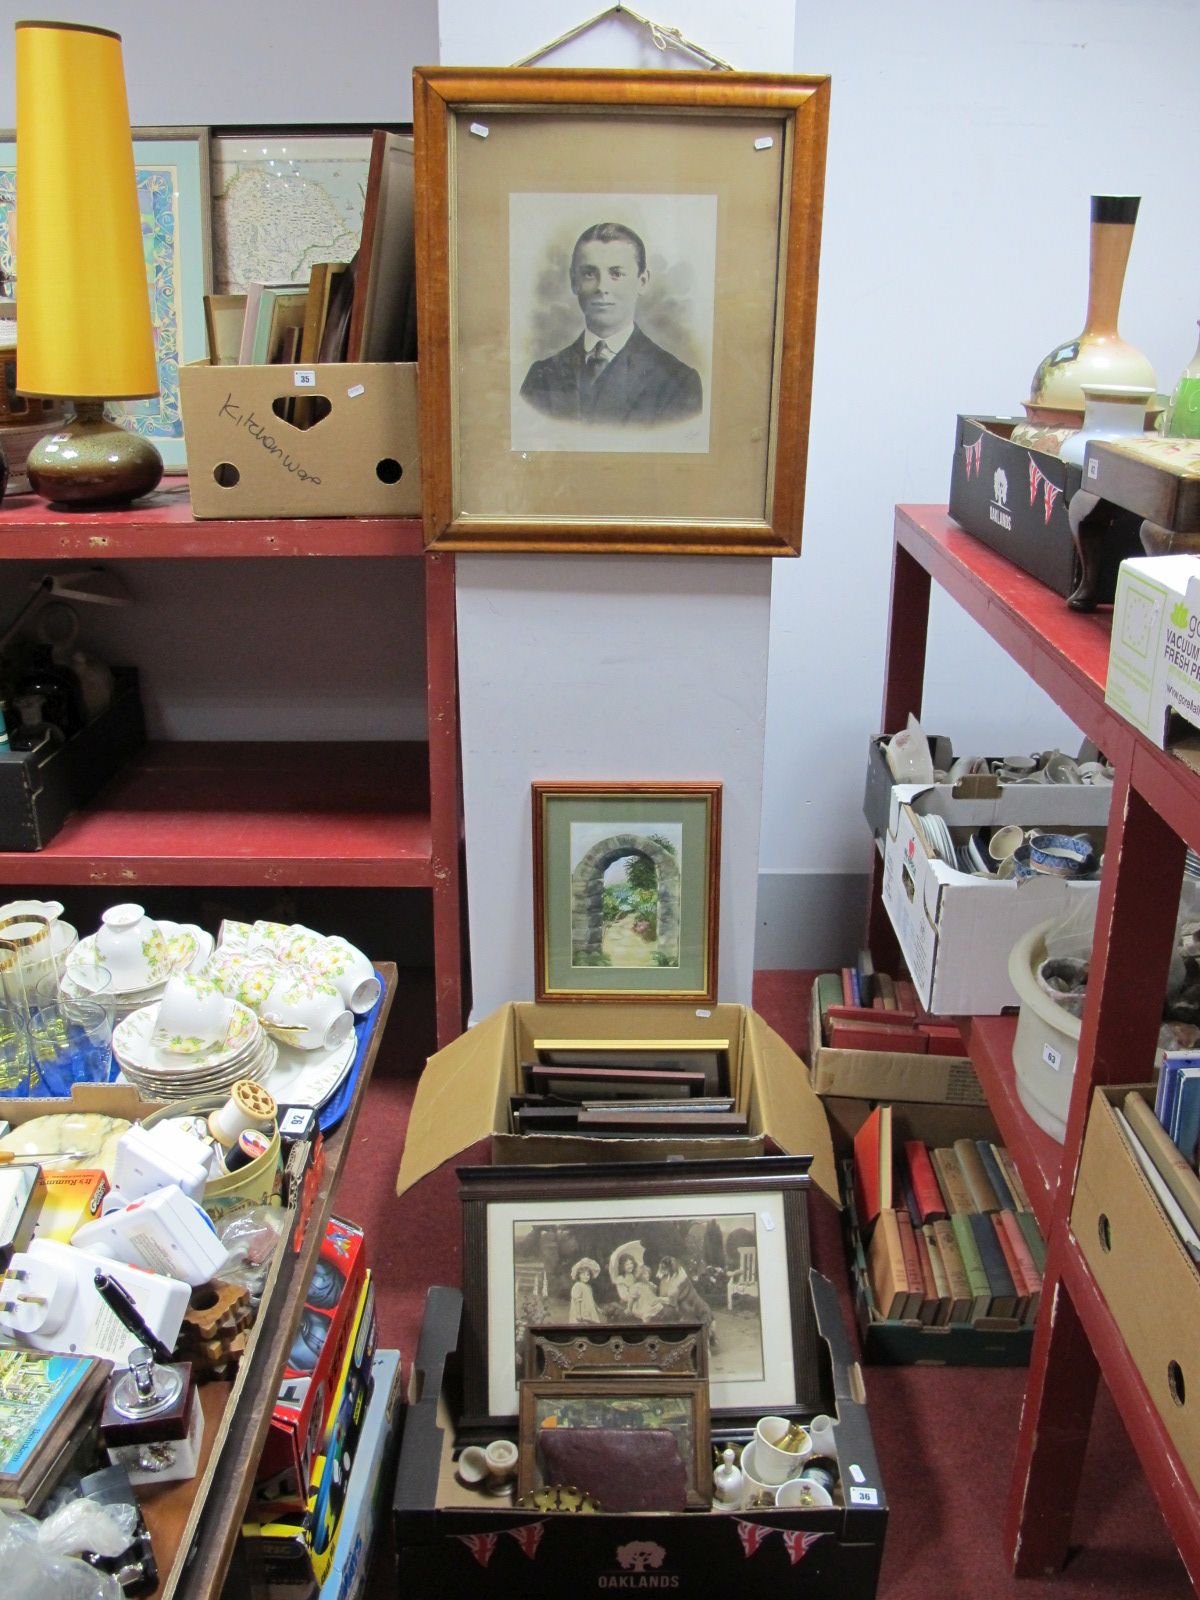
717, 179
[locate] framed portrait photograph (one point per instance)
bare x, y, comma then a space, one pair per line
645, 1244
173, 197
619, 280
575, 1432
626, 890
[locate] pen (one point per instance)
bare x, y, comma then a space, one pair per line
121, 1304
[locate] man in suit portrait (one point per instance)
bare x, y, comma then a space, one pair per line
612, 373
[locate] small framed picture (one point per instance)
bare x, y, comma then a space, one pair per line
619, 277
586, 1421
626, 890
648, 1244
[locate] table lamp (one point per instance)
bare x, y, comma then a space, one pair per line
83, 302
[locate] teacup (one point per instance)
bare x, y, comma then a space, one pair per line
756, 1491
132, 947
298, 945
802, 1494
1005, 842
1059, 768
306, 1012
242, 976
349, 971
1016, 769
192, 1015
776, 1462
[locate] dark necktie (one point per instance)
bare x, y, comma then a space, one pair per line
598, 358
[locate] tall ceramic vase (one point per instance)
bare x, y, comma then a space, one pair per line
1098, 355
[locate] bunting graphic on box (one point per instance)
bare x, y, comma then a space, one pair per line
1035, 474
752, 1535
974, 457
799, 1544
529, 1537
1050, 491
481, 1545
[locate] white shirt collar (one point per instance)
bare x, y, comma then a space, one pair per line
616, 342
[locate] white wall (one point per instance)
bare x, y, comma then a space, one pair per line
964, 143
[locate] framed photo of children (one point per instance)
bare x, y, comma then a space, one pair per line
723, 1244
626, 890
618, 298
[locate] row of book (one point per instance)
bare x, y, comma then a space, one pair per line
1165, 1167
1177, 1100
951, 1237
861, 1009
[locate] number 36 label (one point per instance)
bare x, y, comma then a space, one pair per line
864, 1497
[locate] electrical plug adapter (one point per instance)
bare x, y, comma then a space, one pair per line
35, 1296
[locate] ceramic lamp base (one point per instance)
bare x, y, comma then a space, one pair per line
90, 461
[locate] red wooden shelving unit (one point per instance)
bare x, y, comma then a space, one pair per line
362, 815
1155, 812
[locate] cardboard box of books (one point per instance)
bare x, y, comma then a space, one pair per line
945, 1254
850, 1081
331, 440
1144, 1266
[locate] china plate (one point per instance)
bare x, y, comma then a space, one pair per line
131, 1042
188, 949
181, 1086
310, 1077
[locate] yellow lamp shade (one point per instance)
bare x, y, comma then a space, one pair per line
83, 301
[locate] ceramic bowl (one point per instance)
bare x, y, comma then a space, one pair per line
350, 972
132, 947
307, 1012
1060, 855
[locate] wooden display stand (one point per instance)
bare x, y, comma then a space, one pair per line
1155, 813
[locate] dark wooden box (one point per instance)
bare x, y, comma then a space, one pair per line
40, 788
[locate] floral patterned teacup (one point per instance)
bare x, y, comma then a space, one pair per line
242, 976
349, 971
132, 947
307, 1012
192, 1015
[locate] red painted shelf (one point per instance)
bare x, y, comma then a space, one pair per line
1037, 1155
162, 526
328, 815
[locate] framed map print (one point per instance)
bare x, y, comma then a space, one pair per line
172, 179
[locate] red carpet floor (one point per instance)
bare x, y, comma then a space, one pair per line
945, 1437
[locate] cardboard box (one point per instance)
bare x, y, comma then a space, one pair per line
370, 1480
40, 788
462, 1098
1015, 500
980, 800
956, 930
852, 1082
310, 1375
452, 1541
1154, 654
990, 1342
1140, 1265
245, 459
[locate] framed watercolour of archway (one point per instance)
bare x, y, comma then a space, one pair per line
626, 890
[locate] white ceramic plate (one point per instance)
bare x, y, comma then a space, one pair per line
310, 1077
188, 949
132, 1046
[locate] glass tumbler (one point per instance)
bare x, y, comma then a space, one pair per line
71, 1033
33, 938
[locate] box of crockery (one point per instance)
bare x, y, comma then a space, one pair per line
455, 1540
1015, 499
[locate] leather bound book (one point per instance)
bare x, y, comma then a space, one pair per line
995, 1175
637, 1469
912, 1265
1013, 1265
928, 1246
964, 1237
877, 1035
1012, 1177
1029, 1270
886, 1270
873, 1167
983, 1196
951, 1181
929, 1196
1004, 1290
956, 1273
1027, 1223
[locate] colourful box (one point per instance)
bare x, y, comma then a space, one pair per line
310, 1375
73, 1197
370, 1478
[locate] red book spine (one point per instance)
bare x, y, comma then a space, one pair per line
912, 1258
862, 1036
1012, 1229
1020, 1282
847, 987
925, 1186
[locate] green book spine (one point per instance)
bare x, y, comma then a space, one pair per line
829, 993
1027, 1223
964, 1237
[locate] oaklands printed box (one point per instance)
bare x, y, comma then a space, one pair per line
249, 454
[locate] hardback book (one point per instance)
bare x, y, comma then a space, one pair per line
1020, 1284
936, 1306
912, 1264
1171, 1164
961, 1297
886, 991
950, 1180
865, 968
1000, 1283
928, 1194
1172, 1064
1185, 1120
905, 1020
977, 1278
46, 1403
829, 993
907, 998
1166, 1199
1030, 1271
995, 1175
1012, 1177
873, 1167
983, 1196
886, 1271
877, 1036
1032, 1234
